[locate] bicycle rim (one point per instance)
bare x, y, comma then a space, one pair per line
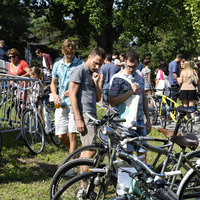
70, 190
191, 187
33, 136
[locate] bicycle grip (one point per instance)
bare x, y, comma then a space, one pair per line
173, 173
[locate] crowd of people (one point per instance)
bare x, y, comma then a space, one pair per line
103, 76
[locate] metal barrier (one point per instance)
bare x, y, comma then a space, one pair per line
13, 100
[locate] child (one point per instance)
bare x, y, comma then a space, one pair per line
36, 73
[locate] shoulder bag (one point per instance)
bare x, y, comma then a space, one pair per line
129, 108
161, 84
194, 80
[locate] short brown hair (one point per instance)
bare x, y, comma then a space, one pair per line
69, 46
98, 51
13, 51
132, 56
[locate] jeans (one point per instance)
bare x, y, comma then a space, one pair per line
174, 89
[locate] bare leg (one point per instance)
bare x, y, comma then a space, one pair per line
191, 103
73, 142
65, 140
145, 154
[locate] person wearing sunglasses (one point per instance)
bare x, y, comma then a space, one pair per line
17, 67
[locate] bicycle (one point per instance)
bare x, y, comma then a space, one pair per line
33, 130
59, 177
164, 107
105, 178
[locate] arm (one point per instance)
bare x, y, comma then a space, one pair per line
120, 65
101, 81
53, 90
95, 77
149, 79
146, 112
115, 100
51, 67
175, 75
74, 88
27, 70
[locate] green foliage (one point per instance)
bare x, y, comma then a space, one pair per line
35, 63
15, 20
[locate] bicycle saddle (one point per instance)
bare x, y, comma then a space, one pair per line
186, 141
184, 110
167, 133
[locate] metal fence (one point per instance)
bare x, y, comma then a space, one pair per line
13, 100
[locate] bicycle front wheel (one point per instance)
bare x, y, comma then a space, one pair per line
68, 171
33, 134
83, 187
53, 136
153, 111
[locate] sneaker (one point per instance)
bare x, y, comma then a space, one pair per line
70, 173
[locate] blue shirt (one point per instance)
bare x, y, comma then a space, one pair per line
140, 67
173, 68
108, 70
3, 53
62, 72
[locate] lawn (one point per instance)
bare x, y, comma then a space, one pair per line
26, 176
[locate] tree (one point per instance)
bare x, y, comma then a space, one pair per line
106, 20
15, 20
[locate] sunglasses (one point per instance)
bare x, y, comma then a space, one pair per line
11, 57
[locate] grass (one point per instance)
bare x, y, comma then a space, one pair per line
26, 176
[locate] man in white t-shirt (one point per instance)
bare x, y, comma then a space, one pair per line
115, 59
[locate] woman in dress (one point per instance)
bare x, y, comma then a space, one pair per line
188, 93
17, 67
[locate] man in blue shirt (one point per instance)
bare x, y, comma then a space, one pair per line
106, 73
3, 51
64, 117
174, 74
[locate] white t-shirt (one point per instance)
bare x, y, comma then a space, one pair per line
166, 78
46, 71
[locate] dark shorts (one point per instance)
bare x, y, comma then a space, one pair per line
188, 94
105, 96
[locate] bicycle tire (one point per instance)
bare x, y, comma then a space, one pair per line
54, 138
189, 125
153, 111
163, 115
33, 136
60, 177
190, 186
77, 152
70, 189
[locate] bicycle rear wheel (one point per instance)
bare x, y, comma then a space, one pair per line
153, 111
33, 135
71, 189
54, 138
